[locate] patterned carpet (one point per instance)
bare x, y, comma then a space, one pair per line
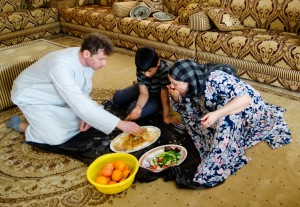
31, 177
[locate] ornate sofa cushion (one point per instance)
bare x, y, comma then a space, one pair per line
166, 32
33, 4
199, 22
11, 5
264, 56
253, 45
188, 11
84, 2
108, 3
25, 19
224, 19
177, 7
122, 9
281, 16
154, 5
90, 16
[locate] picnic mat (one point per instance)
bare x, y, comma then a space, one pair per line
88, 146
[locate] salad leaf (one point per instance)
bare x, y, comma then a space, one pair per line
165, 159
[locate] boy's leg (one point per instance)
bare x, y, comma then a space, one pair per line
126, 96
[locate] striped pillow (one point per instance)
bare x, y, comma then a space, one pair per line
188, 11
122, 9
199, 22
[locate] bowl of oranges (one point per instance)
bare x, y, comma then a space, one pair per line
113, 173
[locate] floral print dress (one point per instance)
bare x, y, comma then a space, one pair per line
222, 146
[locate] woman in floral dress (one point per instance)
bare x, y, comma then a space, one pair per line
224, 116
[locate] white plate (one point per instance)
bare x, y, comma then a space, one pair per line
163, 16
153, 131
143, 161
140, 12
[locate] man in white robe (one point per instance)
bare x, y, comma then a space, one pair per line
53, 95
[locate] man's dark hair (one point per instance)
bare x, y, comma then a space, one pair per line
145, 58
94, 42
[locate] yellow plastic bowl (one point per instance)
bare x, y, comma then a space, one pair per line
99, 163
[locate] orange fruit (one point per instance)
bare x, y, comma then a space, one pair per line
126, 173
122, 180
100, 172
101, 180
117, 175
107, 172
113, 163
108, 166
108, 179
111, 182
120, 164
126, 167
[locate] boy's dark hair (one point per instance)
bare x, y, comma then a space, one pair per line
145, 58
94, 42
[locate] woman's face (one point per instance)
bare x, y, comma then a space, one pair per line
180, 86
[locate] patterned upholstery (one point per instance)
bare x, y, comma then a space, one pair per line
108, 3
34, 4
177, 7
11, 5
166, 32
90, 16
267, 49
280, 51
278, 15
19, 24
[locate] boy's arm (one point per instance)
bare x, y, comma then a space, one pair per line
136, 112
143, 97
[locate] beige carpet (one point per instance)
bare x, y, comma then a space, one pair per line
30, 177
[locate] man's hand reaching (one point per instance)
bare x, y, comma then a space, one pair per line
129, 127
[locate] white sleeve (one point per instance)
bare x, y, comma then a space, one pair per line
85, 108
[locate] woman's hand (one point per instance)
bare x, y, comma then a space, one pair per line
174, 93
235, 106
209, 119
84, 126
171, 120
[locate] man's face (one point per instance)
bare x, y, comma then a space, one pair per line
97, 61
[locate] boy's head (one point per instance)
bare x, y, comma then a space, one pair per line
146, 58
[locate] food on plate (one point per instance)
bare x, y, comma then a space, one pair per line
130, 141
113, 172
169, 157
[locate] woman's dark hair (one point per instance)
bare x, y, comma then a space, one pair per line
145, 58
94, 42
